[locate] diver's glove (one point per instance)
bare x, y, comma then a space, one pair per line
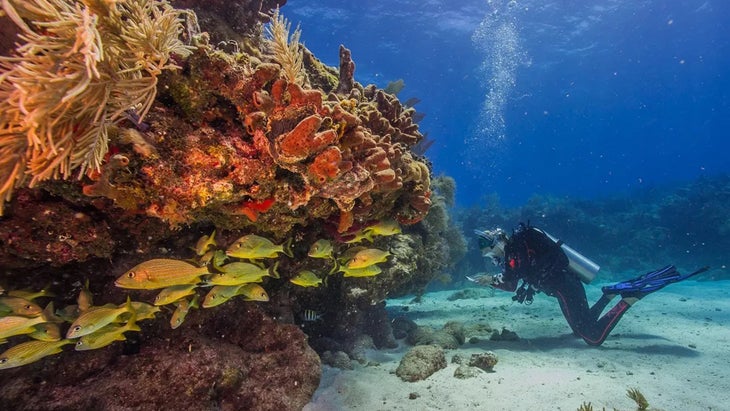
525, 294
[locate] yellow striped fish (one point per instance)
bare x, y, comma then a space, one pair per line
238, 273
367, 257
253, 292
95, 318
254, 247
368, 271
384, 227
143, 311
17, 325
19, 306
321, 249
85, 300
160, 273
106, 335
205, 243
183, 308
306, 278
222, 293
46, 332
173, 293
31, 295
31, 351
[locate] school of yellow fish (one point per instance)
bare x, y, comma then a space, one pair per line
92, 327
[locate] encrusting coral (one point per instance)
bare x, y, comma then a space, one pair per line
242, 146
83, 67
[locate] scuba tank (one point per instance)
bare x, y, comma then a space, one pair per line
578, 263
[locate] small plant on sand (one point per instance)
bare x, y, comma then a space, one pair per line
586, 406
641, 403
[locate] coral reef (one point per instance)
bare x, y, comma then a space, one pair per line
451, 336
232, 145
232, 141
337, 359
438, 241
402, 326
60, 235
504, 335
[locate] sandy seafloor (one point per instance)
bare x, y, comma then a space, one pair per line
674, 346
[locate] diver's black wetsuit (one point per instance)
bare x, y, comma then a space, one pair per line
531, 256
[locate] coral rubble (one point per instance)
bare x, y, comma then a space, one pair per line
420, 362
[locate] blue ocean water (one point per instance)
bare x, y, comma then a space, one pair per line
565, 98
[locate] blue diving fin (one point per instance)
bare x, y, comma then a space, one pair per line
649, 282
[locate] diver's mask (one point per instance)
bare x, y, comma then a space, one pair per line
491, 244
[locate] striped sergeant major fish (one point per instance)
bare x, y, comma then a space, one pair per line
311, 316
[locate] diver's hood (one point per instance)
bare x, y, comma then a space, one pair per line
492, 243
489, 237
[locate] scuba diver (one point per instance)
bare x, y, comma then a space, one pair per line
545, 264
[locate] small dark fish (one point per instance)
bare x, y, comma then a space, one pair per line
135, 119
311, 316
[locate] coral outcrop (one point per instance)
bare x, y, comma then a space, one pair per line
239, 136
420, 362
485, 361
232, 144
481, 361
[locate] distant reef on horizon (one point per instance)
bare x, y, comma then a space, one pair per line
686, 224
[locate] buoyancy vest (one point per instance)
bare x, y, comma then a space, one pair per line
531, 256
